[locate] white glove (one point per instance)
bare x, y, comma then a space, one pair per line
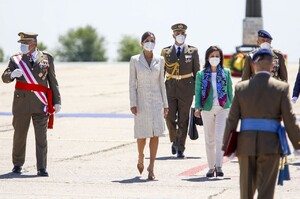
16, 73
294, 99
57, 108
297, 152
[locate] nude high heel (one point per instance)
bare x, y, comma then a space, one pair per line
140, 164
151, 175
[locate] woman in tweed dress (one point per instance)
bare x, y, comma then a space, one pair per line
148, 100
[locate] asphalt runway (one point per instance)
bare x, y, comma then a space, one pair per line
92, 152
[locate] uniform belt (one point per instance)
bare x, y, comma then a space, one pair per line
179, 77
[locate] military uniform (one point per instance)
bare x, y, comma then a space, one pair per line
180, 85
279, 70
27, 106
259, 151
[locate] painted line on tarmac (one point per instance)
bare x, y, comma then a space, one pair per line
84, 115
194, 170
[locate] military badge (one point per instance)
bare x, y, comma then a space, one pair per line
188, 58
44, 66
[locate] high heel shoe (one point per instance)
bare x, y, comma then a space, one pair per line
219, 172
210, 173
151, 175
140, 164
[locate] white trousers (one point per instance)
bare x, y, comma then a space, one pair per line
214, 125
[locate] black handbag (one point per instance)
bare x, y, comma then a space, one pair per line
193, 132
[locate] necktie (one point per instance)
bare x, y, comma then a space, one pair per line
178, 52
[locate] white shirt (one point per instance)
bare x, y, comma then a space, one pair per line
181, 48
34, 54
214, 87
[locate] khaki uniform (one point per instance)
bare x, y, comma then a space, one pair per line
279, 69
258, 152
180, 86
27, 106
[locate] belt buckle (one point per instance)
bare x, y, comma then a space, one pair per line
178, 77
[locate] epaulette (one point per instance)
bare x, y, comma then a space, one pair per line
190, 49
251, 53
277, 51
47, 53
167, 50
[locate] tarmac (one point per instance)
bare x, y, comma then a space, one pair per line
92, 152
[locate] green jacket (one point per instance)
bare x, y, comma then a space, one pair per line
209, 101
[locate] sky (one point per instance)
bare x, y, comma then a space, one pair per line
210, 22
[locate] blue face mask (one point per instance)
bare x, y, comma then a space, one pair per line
24, 48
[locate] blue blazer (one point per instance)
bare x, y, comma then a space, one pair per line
296, 89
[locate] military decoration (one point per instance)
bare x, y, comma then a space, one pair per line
188, 58
44, 66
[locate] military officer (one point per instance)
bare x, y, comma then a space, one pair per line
36, 91
279, 70
259, 104
181, 66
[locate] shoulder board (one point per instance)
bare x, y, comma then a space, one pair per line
193, 47
47, 53
277, 51
168, 47
190, 49
251, 53
167, 50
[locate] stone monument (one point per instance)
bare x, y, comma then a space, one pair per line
252, 23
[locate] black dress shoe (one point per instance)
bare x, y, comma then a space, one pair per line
180, 155
42, 172
17, 169
219, 172
173, 150
210, 173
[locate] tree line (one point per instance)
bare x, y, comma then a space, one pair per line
83, 44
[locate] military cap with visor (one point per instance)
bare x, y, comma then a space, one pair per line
179, 27
27, 36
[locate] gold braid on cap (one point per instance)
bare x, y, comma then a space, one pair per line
171, 66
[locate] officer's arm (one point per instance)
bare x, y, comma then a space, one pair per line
6, 74
53, 82
247, 69
282, 69
196, 63
163, 54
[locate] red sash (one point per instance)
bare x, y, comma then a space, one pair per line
40, 88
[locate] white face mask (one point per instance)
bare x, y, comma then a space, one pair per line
149, 46
24, 48
265, 45
180, 39
214, 61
